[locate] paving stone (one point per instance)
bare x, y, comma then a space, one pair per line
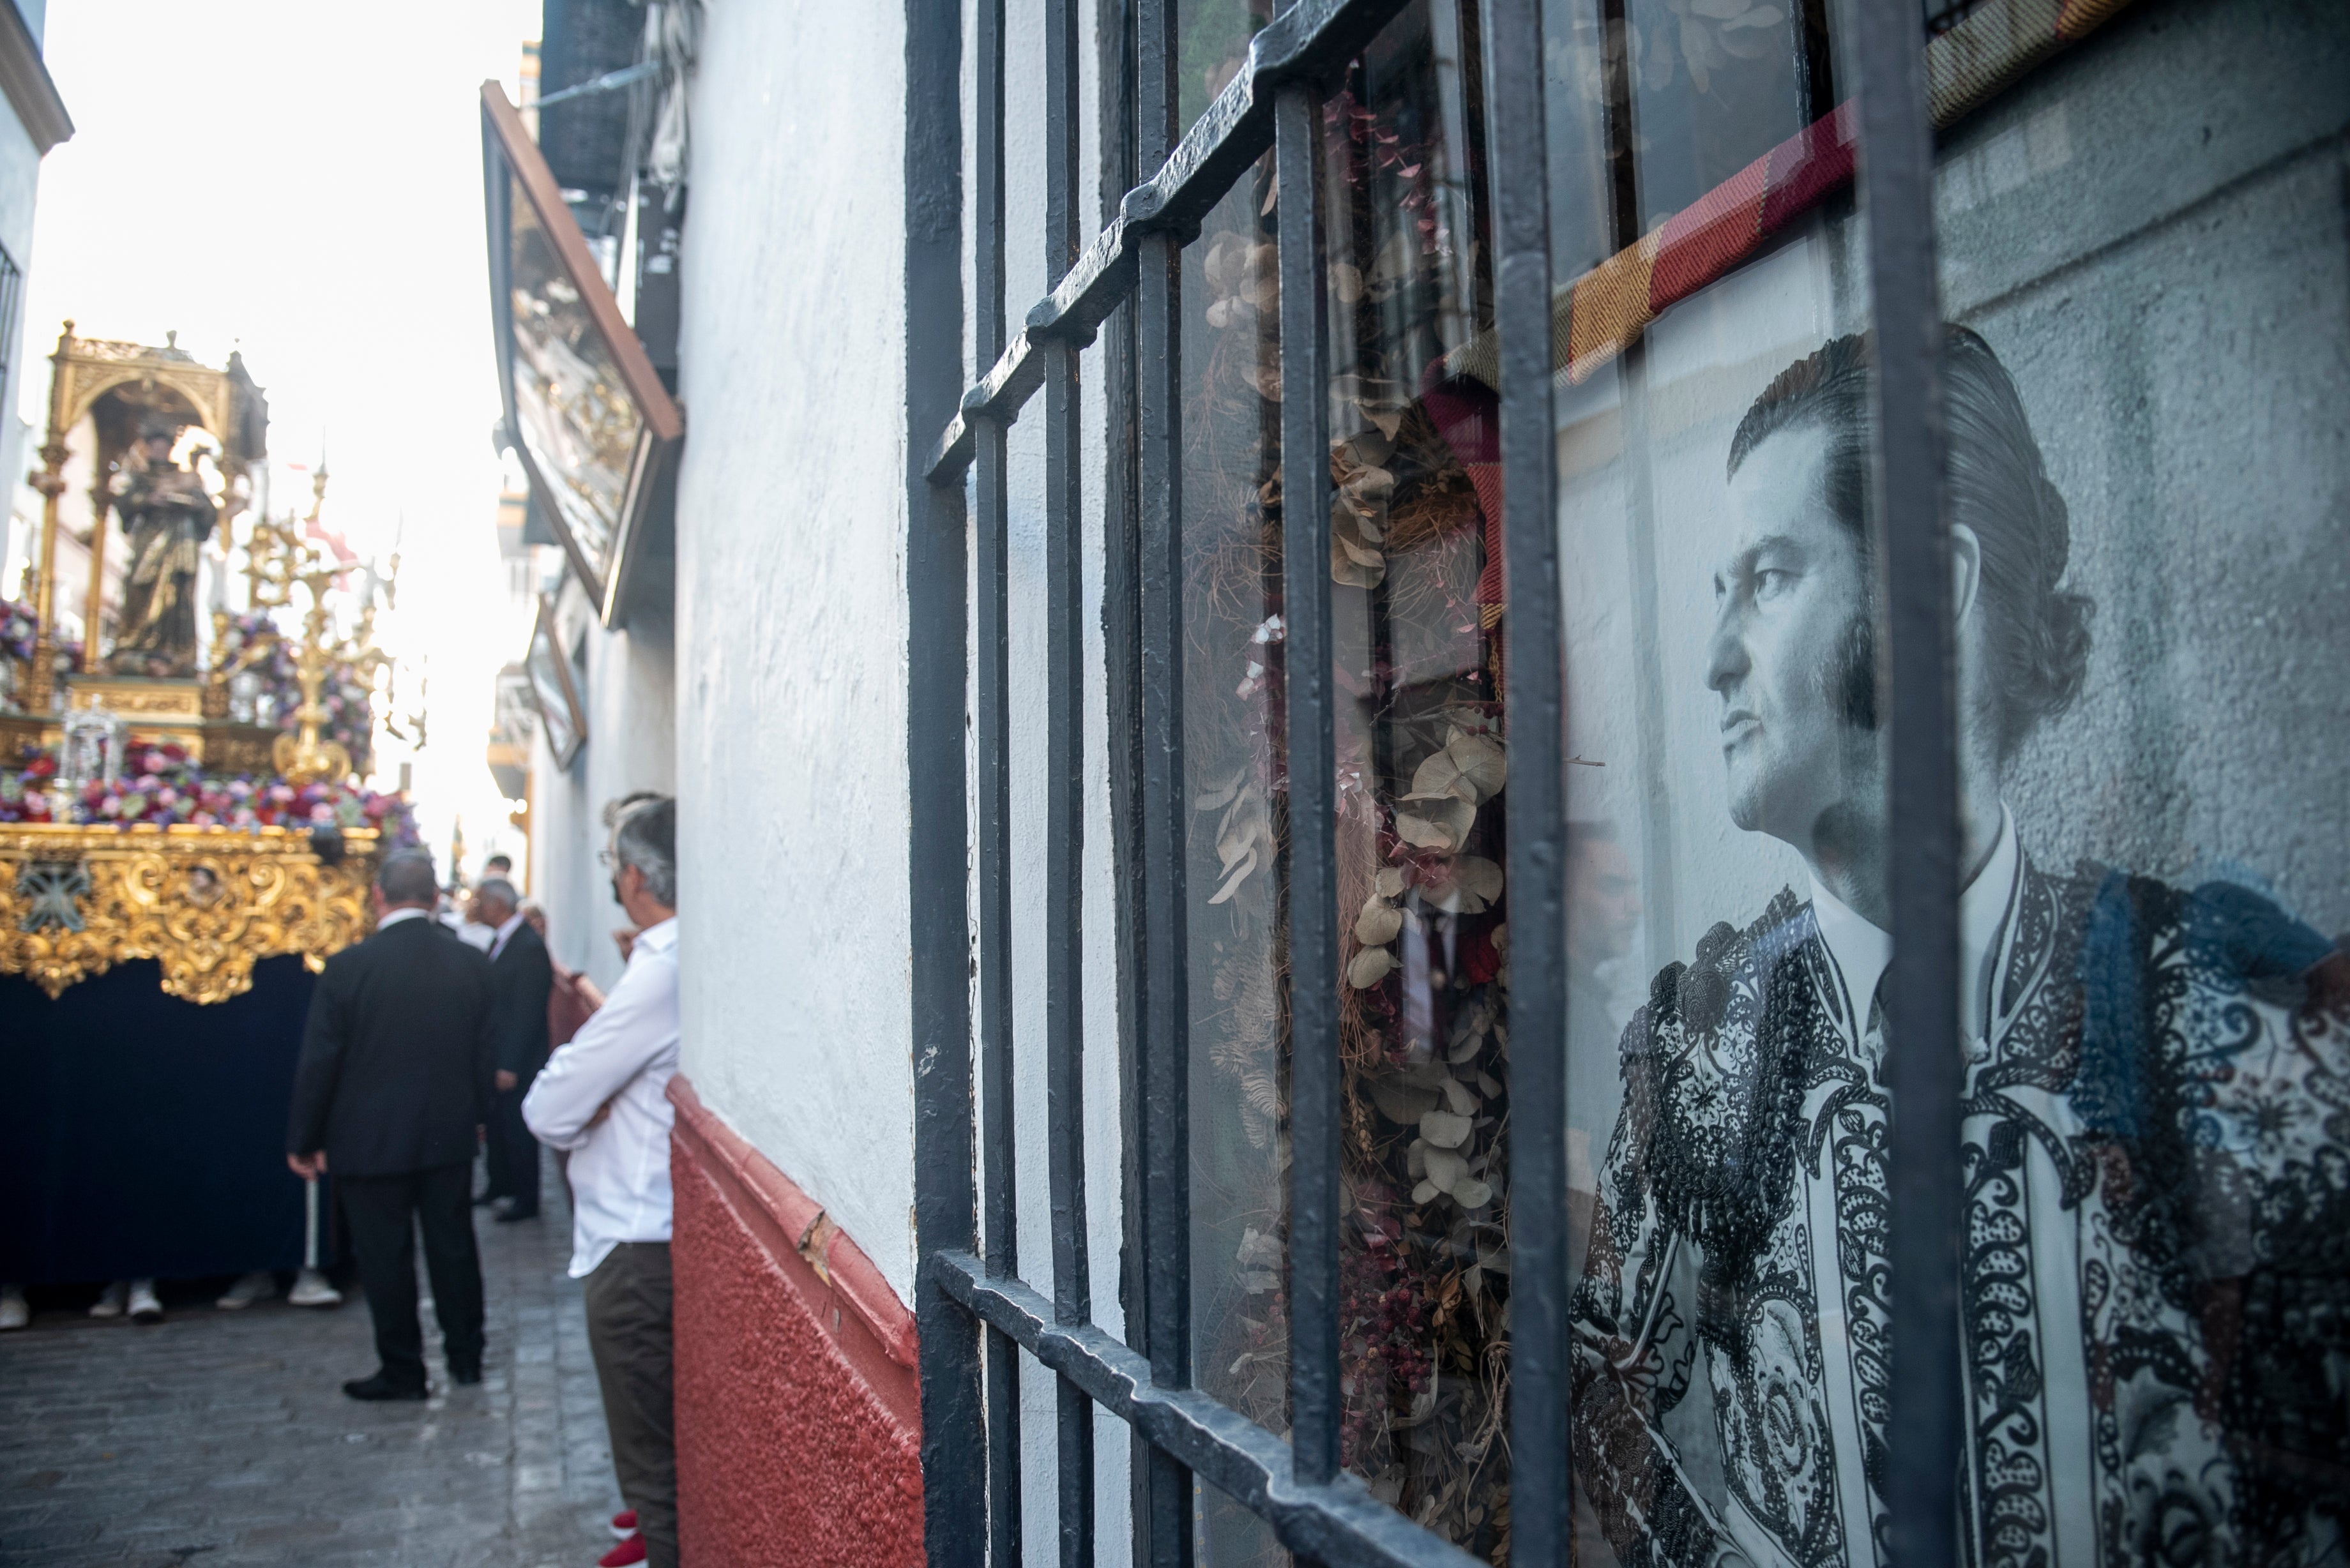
224, 1437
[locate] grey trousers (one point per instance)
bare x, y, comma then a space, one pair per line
629, 1336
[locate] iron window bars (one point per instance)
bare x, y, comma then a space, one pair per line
971, 1465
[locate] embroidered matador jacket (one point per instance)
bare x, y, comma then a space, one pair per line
2156, 1269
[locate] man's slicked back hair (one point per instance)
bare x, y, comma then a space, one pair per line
1999, 487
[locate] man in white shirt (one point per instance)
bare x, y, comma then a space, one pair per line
603, 1097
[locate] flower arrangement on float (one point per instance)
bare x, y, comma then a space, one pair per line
163, 785
20, 628
251, 643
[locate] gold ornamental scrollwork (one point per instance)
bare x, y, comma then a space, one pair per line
205, 902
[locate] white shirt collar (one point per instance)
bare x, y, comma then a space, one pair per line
393, 917
1862, 951
660, 937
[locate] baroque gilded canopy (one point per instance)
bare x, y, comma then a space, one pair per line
204, 901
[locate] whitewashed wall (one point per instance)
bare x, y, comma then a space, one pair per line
794, 814
20, 174
629, 690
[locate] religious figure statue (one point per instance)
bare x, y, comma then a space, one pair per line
167, 517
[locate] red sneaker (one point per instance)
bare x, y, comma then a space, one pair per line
632, 1550
624, 1523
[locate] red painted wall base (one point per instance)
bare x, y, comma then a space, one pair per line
798, 1406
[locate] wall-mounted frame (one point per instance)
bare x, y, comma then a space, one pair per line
553, 689
596, 432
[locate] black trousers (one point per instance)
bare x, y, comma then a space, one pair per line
513, 1152
385, 1213
629, 1297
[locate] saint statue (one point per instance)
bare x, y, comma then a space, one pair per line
167, 517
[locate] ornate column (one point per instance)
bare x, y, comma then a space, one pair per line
50, 482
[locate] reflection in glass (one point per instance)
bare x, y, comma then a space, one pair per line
577, 422
1232, 745
1419, 626
549, 683
1417, 606
2156, 1087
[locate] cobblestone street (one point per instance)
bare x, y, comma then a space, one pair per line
224, 1437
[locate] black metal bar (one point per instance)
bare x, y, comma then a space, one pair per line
1921, 983
1114, 25
1540, 1494
1336, 1522
1313, 39
1064, 816
954, 1474
991, 698
1000, 1199
1165, 1034
1064, 796
1313, 872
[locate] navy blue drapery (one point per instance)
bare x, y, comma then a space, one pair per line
142, 1135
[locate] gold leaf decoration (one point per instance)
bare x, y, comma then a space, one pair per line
205, 902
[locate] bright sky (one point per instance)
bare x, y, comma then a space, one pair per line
303, 181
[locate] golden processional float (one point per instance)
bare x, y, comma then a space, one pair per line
160, 798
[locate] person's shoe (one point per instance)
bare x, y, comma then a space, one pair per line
483, 1199
260, 1285
311, 1290
144, 1306
467, 1373
14, 1313
624, 1523
109, 1301
380, 1387
508, 1211
632, 1550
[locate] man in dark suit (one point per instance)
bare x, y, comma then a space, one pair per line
391, 1091
520, 978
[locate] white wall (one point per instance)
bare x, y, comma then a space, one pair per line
629, 690
20, 174
794, 815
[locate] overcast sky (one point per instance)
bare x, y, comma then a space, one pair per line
303, 181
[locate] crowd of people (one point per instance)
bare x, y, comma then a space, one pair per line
437, 1037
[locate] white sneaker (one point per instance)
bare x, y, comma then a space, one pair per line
258, 1286
311, 1290
109, 1301
144, 1307
14, 1313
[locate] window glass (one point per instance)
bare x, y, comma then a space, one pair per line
1416, 608
574, 415
1725, 791
1420, 640
1232, 746
1211, 40
2148, 287
2144, 273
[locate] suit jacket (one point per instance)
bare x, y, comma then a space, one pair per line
521, 976
397, 1056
